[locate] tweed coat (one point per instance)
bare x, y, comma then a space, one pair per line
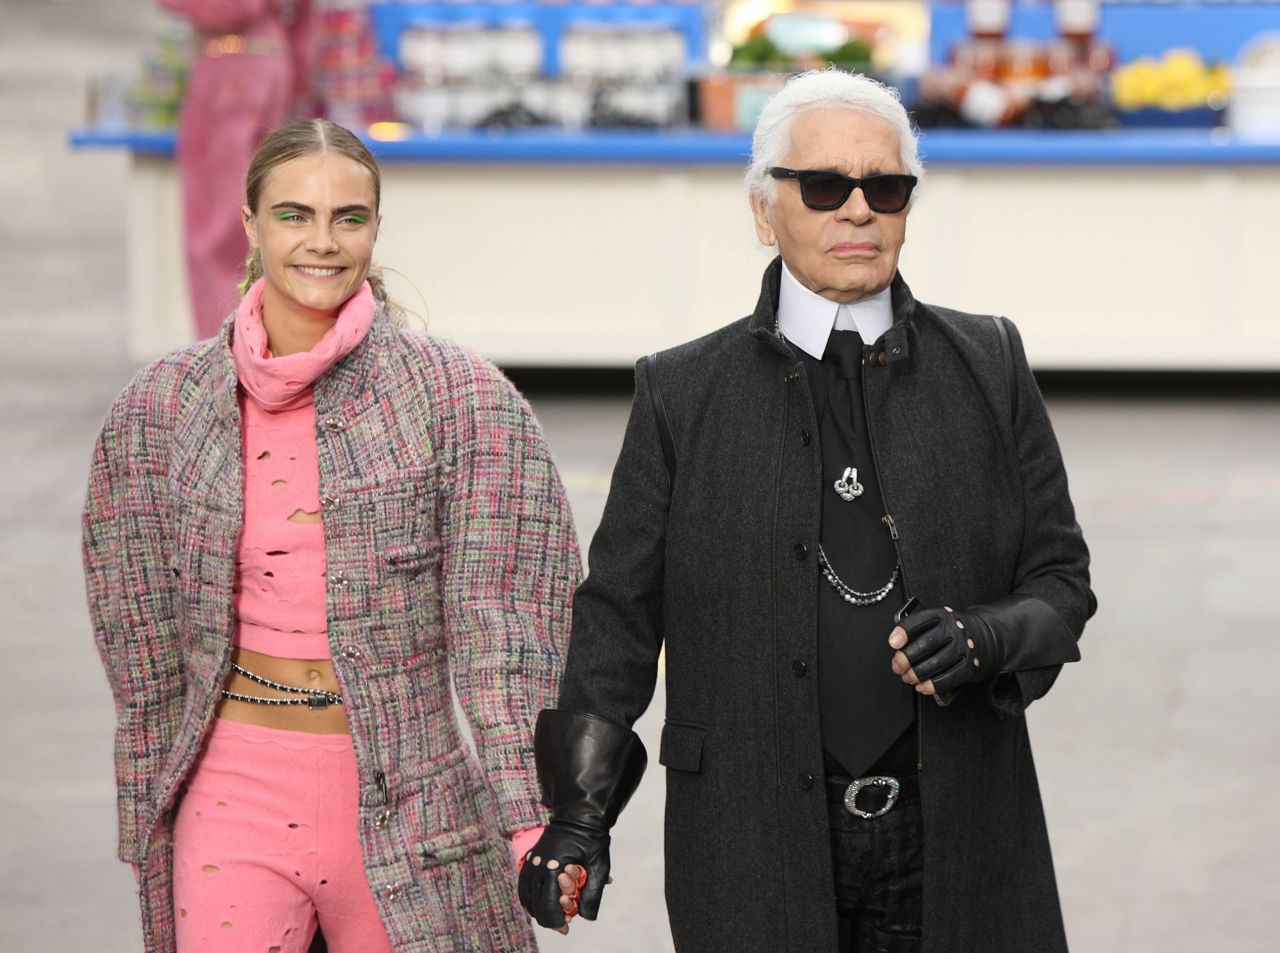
719, 564
451, 553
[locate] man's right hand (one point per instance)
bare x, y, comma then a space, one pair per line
564, 874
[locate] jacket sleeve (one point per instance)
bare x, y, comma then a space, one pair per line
509, 566
617, 618
1041, 621
131, 608
220, 16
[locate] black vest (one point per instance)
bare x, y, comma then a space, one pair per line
868, 714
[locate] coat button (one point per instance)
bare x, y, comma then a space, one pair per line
350, 653
391, 891
881, 359
801, 551
799, 668
338, 579
805, 781
329, 501
381, 818
806, 438
332, 423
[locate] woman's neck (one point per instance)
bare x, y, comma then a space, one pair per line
293, 330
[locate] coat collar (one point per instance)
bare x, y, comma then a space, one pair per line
346, 380
763, 323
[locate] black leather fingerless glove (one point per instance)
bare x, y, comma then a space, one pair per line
1013, 634
589, 767
952, 648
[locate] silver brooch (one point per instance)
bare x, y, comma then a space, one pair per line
848, 486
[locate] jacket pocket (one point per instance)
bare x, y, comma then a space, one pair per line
681, 747
412, 557
448, 847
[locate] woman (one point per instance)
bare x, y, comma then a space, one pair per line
296, 536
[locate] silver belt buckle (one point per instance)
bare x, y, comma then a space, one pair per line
883, 781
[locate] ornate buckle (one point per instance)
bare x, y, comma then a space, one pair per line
883, 781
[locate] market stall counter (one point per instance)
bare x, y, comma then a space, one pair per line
1123, 249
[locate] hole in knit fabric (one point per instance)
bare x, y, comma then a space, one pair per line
277, 552
210, 869
279, 482
269, 574
226, 924
265, 455
303, 516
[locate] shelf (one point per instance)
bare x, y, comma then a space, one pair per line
942, 147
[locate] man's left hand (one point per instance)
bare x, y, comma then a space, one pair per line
938, 650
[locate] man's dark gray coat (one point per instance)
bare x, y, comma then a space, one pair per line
719, 563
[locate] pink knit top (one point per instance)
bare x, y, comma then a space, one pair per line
280, 565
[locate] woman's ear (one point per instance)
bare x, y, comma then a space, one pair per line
250, 226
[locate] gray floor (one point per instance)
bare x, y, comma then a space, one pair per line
1157, 754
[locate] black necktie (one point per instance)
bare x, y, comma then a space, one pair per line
865, 707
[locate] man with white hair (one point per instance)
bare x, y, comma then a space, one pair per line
846, 518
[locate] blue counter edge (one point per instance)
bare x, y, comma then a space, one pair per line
940, 147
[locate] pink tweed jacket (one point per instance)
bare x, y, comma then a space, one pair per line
451, 553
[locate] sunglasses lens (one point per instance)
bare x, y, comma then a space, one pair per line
887, 193
825, 190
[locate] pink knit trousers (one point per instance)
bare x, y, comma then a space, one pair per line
265, 845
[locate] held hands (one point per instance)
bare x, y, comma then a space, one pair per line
938, 650
555, 885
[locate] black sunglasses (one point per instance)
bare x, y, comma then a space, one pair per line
825, 191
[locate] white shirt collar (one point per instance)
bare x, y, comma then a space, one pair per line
806, 319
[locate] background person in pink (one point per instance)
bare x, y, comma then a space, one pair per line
299, 536
251, 70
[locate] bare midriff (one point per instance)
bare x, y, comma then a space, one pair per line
300, 673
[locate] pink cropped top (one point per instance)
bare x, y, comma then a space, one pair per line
280, 563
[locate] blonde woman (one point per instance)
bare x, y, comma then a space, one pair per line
296, 535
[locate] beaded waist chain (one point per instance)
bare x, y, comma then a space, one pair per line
317, 698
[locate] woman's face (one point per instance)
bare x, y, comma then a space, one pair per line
315, 228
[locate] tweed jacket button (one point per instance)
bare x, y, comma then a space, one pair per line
329, 501
391, 891
332, 423
799, 668
338, 579
805, 781
350, 652
801, 551
381, 818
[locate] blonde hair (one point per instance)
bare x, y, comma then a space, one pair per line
304, 137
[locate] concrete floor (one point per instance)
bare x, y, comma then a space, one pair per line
1157, 754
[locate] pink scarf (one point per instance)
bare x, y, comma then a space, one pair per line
279, 383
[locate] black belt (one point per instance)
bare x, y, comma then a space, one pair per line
873, 795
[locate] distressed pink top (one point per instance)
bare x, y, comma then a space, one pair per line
280, 565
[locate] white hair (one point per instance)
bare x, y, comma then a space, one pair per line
824, 89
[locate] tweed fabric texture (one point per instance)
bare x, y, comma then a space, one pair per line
720, 568
451, 555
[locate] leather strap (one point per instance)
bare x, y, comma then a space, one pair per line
1006, 352
660, 414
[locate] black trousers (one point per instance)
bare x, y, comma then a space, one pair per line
879, 873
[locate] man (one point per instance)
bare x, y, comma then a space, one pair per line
789, 490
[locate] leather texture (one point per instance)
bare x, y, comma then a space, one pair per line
588, 767
1013, 634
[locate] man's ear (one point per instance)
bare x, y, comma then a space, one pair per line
760, 215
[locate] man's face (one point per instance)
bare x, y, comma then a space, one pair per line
851, 252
